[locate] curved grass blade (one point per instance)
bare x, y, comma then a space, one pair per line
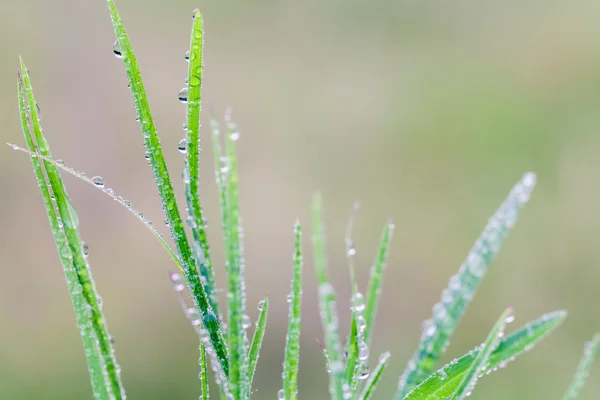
70, 227
376, 375
200, 248
589, 353
259, 334
329, 317
374, 288
92, 354
469, 380
444, 382
292, 340
165, 188
462, 287
108, 191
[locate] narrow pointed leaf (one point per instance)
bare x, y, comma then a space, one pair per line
292, 340
257, 340
461, 289
444, 382
467, 384
375, 376
203, 373
583, 369
165, 189
329, 317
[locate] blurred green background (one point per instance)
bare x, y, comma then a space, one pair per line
424, 111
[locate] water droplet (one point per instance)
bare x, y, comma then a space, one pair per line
234, 136
100, 301
147, 155
363, 351
86, 249
510, 318
364, 372
246, 321
183, 95
194, 13
358, 302
98, 181
280, 394
127, 203
261, 304
289, 298
187, 56
117, 49
182, 146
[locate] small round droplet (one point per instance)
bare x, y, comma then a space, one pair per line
261, 304
183, 95
246, 321
187, 56
280, 394
117, 49
182, 146
234, 136
98, 181
197, 10
147, 155
86, 249
363, 372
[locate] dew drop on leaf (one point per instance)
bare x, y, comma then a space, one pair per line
98, 181
182, 146
183, 95
117, 49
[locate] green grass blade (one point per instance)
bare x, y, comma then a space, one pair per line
589, 353
165, 189
444, 382
200, 248
329, 317
70, 226
203, 373
447, 313
257, 339
467, 384
376, 375
91, 351
374, 288
292, 340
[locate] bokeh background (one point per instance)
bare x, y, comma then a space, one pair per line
424, 111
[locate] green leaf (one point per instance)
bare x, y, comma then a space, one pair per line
461, 289
479, 364
444, 382
200, 248
292, 339
106, 380
257, 340
329, 317
203, 373
583, 369
375, 376
165, 189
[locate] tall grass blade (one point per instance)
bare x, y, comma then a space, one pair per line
165, 189
92, 353
70, 227
203, 373
376, 375
200, 247
444, 382
292, 340
257, 339
583, 369
467, 384
329, 317
374, 288
437, 331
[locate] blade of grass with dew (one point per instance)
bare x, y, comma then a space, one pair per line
108, 191
444, 382
165, 188
292, 339
329, 317
91, 351
375, 376
589, 353
374, 288
257, 339
447, 313
236, 294
203, 373
70, 226
479, 364
200, 247
357, 350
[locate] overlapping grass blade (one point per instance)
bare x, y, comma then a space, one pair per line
374, 288
200, 248
462, 287
165, 188
92, 353
75, 252
375, 376
444, 382
257, 339
329, 317
479, 364
589, 353
292, 340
